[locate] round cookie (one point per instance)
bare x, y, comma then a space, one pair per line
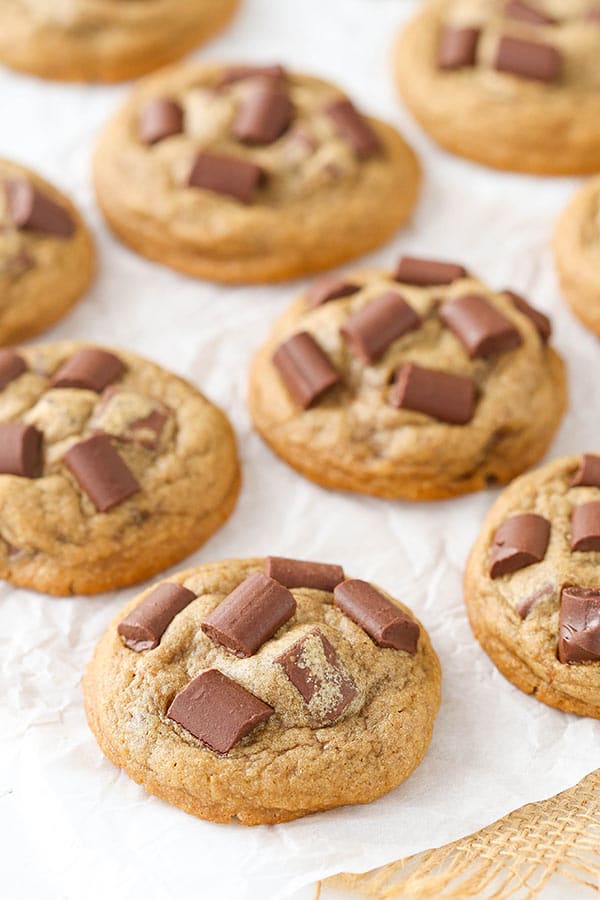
247, 174
264, 690
420, 384
111, 469
507, 83
577, 253
532, 587
105, 40
47, 257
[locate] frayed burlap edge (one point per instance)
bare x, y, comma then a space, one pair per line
515, 857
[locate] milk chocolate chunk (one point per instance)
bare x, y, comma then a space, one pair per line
370, 331
541, 322
378, 616
479, 326
32, 210
353, 128
227, 175
528, 59
241, 73
588, 474
148, 430
458, 48
305, 369
159, 119
90, 369
218, 711
101, 472
520, 541
20, 450
296, 573
264, 115
579, 625
427, 272
250, 615
329, 287
143, 628
441, 395
314, 668
11, 366
527, 12
585, 527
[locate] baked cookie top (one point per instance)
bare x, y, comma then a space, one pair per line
264, 690
418, 383
110, 468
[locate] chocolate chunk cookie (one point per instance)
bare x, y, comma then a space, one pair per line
111, 469
264, 690
532, 587
420, 383
250, 174
508, 83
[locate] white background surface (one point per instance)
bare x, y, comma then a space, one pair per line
73, 826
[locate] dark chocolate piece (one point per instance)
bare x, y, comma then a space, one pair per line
305, 369
353, 128
383, 621
296, 573
588, 474
458, 48
145, 625
159, 119
218, 711
20, 450
479, 326
241, 73
526, 604
528, 59
579, 625
427, 272
526, 12
370, 331
264, 115
541, 322
585, 527
32, 210
250, 615
519, 541
329, 287
227, 175
91, 369
101, 472
11, 366
441, 395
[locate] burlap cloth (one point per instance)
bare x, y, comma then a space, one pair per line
528, 850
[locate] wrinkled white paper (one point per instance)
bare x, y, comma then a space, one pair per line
74, 826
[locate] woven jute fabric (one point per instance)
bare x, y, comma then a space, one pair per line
513, 858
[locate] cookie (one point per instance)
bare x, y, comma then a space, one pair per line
420, 383
111, 469
531, 584
508, 83
105, 40
47, 257
264, 690
577, 253
250, 174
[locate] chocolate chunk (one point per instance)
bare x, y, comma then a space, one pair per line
526, 604
588, 474
250, 615
295, 573
90, 369
147, 431
329, 287
305, 369
441, 395
32, 210
20, 450
593, 16
264, 115
218, 711
378, 616
541, 322
159, 119
101, 472
227, 175
479, 326
529, 59
241, 73
427, 272
11, 366
314, 668
458, 48
354, 128
585, 527
143, 628
370, 331
520, 541
525, 12
579, 625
